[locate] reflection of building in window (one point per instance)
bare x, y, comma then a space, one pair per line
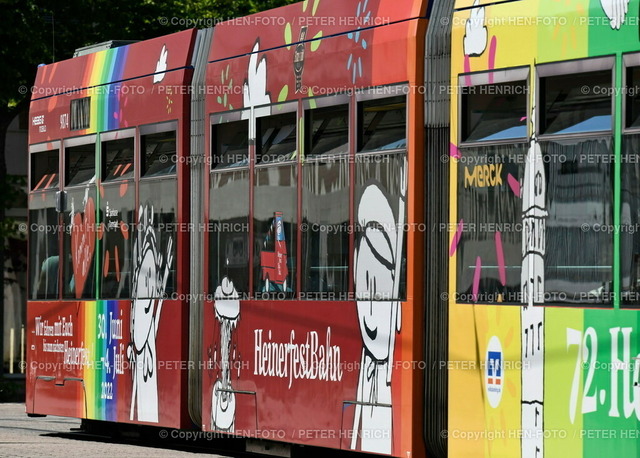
579, 187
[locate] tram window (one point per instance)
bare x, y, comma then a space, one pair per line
327, 130
490, 226
325, 244
578, 255
229, 229
118, 159
117, 203
633, 97
493, 112
81, 164
576, 103
155, 241
43, 247
158, 154
231, 145
382, 124
380, 260
276, 139
630, 220
79, 244
44, 170
274, 228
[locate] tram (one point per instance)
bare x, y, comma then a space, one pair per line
399, 228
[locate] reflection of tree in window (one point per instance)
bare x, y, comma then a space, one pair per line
276, 138
494, 112
81, 164
44, 170
159, 154
118, 159
329, 130
231, 145
576, 103
383, 124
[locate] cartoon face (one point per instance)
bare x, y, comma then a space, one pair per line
374, 273
376, 317
143, 308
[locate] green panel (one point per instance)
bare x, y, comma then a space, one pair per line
609, 430
603, 38
562, 437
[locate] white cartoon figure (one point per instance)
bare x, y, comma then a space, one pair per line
616, 11
223, 400
378, 260
475, 37
534, 214
254, 91
161, 66
151, 272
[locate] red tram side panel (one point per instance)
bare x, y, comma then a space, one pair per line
332, 373
91, 355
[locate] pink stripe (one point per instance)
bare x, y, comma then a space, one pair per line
454, 151
492, 57
514, 184
456, 238
476, 279
500, 254
467, 69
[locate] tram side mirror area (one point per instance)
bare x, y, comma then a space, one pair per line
61, 201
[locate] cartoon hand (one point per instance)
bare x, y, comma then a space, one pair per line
161, 66
255, 88
616, 10
475, 38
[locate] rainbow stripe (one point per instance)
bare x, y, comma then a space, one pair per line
100, 379
103, 73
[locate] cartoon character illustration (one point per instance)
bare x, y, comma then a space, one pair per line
161, 66
223, 400
274, 263
151, 272
475, 37
534, 215
254, 91
475, 40
378, 259
616, 11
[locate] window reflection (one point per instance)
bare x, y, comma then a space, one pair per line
576, 103
494, 112
275, 229
276, 138
327, 130
578, 262
383, 124
229, 229
231, 145
325, 242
